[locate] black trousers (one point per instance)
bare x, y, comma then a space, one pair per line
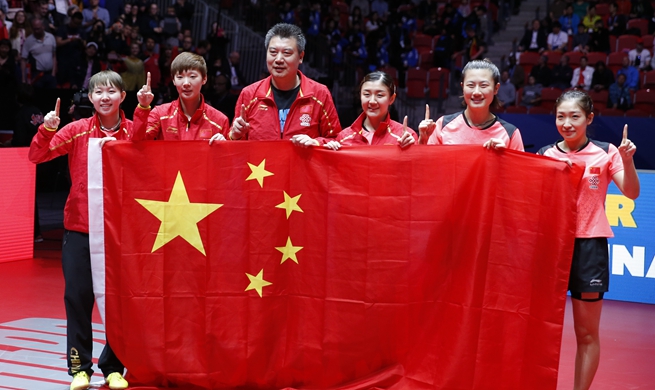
79, 300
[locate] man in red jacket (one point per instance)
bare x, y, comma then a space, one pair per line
188, 117
286, 105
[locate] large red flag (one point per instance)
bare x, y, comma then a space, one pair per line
269, 266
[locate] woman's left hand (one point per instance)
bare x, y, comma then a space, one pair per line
495, 143
304, 140
627, 148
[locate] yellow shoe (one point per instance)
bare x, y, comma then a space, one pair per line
115, 381
80, 381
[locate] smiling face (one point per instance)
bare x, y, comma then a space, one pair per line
188, 83
106, 99
572, 121
479, 88
283, 58
376, 99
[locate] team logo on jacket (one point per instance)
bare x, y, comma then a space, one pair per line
594, 180
305, 120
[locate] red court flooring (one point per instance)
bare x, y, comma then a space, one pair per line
32, 331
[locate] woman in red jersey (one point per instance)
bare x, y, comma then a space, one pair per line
476, 124
374, 126
589, 278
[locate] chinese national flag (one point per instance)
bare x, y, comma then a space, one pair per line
260, 265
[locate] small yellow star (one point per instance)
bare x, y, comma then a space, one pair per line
257, 282
290, 204
289, 251
259, 172
178, 216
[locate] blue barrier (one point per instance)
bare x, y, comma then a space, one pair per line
540, 130
632, 250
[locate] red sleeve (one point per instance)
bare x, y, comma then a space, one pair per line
140, 123
48, 144
329, 125
153, 128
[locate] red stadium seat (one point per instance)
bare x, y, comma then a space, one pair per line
615, 61
422, 43
641, 24
417, 79
516, 110
392, 72
554, 57
539, 110
635, 112
626, 42
548, 97
645, 100
425, 60
574, 58
595, 56
435, 77
649, 79
610, 112
599, 98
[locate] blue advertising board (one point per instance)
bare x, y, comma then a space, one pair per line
632, 250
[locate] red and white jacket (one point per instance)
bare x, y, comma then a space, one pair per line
168, 122
73, 139
312, 113
387, 133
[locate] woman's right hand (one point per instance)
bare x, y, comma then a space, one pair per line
332, 145
240, 127
51, 120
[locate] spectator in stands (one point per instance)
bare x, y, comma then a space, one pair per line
535, 39
220, 96
363, 5
557, 9
562, 74
150, 58
603, 77
640, 57
4, 6
9, 84
581, 40
516, 72
641, 9
541, 72
619, 94
52, 19
582, 76
134, 17
40, 52
410, 55
93, 13
4, 27
98, 35
306, 119
91, 65
506, 91
70, 50
150, 24
218, 42
580, 8
616, 22
134, 75
474, 47
591, 18
380, 7
170, 25
599, 40
631, 74
117, 40
233, 71
19, 31
569, 21
373, 24
184, 10
443, 50
531, 93
558, 40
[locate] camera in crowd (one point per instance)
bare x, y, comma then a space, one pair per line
82, 107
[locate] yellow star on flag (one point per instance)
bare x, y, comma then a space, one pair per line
290, 204
259, 172
257, 282
289, 251
178, 216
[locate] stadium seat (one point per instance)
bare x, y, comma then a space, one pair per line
610, 112
548, 97
422, 43
635, 112
645, 100
615, 61
425, 60
516, 110
648, 80
391, 71
595, 56
574, 58
599, 98
417, 79
626, 42
435, 76
641, 24
539, 110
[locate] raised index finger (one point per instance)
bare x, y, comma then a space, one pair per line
427, 111
405, 124
57, 105
625, 132
148, 80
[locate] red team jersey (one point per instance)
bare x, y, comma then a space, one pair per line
602, 161
454, 129
73, 139
387, 133
168, 122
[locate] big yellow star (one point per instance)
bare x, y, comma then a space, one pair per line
259, 172
257, 282
290, 204
178, 216
289, 251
